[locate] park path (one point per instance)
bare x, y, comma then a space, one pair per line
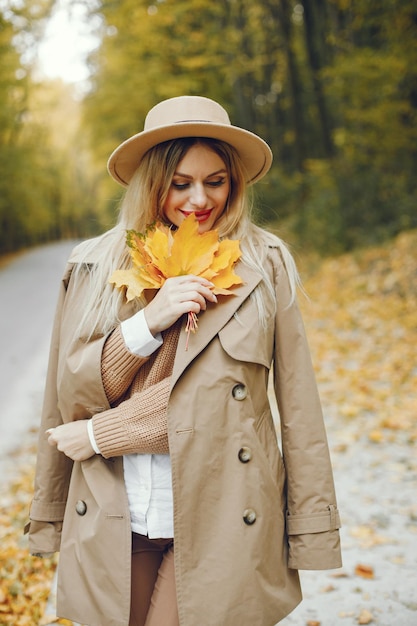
28, 290
376, 482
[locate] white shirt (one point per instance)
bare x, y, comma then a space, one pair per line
147, 476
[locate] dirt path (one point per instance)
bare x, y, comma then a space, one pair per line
28, 287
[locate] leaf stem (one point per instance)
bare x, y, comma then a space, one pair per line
191, 326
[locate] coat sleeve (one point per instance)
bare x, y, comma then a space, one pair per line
81, 392
312, 518
73, 390
53, 469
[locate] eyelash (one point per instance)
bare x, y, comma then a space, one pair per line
215, 183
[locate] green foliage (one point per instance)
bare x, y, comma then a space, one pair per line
44, 192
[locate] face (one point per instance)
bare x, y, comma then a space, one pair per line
200, 185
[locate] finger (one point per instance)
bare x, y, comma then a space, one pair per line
189, 280
192, 296
50, 434
52, 440
208, 294
191, 283
176, 299
193, 277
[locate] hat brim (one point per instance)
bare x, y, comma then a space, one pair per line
255, 153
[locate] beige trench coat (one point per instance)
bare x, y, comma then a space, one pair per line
246, 518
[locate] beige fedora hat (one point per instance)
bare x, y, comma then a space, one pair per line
189, 116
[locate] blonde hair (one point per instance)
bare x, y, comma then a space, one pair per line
142, 205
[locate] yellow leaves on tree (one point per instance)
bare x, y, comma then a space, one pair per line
161, 253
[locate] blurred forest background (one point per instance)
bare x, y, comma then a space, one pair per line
330, 84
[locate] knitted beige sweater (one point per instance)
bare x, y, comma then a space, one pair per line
138, 389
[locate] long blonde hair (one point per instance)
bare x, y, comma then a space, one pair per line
142, 205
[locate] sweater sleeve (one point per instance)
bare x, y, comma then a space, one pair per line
119, 366
137, 425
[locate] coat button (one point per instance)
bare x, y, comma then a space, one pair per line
239, 392
249, 517
245, 454
81, 507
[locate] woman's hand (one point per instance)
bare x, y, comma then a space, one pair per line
72, 439
179, 295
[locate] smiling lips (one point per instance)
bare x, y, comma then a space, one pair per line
201, 216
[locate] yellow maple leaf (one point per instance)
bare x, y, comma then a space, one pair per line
162, 253
192, 252
226, 257
158, 248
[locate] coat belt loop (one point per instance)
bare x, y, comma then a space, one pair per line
333, 516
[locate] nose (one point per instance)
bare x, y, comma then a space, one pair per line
198, 196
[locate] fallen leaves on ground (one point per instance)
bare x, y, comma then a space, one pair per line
25, 581
365, 617
361, 320
365, 571
368, 537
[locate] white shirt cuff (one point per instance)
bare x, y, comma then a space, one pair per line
137, 336
91, 436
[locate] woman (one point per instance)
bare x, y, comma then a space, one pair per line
159, 476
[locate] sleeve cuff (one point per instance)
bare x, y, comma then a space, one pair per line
137, 336
90, 431
313, 523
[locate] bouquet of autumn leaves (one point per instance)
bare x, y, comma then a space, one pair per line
162, 253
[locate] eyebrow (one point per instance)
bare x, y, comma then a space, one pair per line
221, 171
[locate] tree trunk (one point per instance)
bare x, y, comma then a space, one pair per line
281, 13
315, 45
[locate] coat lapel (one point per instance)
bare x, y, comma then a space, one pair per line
211, 321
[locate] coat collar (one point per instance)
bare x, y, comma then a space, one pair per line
211, 321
